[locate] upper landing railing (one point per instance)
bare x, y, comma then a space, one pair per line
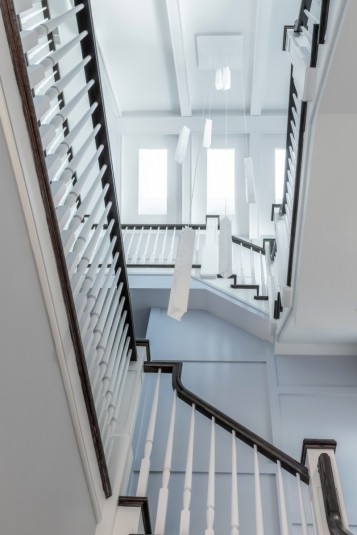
155, 246
55, 63
302, 41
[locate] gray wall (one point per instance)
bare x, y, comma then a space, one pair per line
43, 488
283, 399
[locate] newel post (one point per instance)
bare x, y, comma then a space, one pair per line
312, 456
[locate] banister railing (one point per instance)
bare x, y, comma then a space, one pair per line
309, 32
192, 464
155, 246
59, 84
242, 433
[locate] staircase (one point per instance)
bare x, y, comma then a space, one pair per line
206, 504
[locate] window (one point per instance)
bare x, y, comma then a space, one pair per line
152, 182
279, 174
220, 181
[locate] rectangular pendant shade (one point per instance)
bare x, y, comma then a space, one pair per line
226, 78
218, 80
182, 144
182, 275
207, 134
209, 259
225, 268
249, 180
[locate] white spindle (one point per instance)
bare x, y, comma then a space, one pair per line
115, 417
79, 244
242, 277
145, 463
136, 254
162, 255
258, 496
234, 497
301, 506
130, 244
119, 387
185, 513
36, 73
108, 403
153, 255
146, 246
164, 491
252, 266
99, 257
118, 367
284, 526
211, 483
171, 253
198, 246
110, 370
104, 349
262, 275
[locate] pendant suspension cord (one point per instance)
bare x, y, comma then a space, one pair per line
196, 165
245, 116
225, 201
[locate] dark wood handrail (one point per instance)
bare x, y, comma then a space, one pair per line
296, 192
264, 447
328, 487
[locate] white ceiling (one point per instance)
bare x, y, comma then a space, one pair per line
150, 54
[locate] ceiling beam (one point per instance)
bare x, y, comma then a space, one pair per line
262, 28
174, 19
155, 124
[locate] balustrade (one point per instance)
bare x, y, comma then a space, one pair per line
70, 146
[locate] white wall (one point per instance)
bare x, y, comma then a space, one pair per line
43, 488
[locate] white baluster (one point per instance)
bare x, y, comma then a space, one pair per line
145, 463
252, 266
262, 275
114, 419
211, 483
104, 350
242, 277
234, 502
171, 254
258, 496
185, 513
301, 506
162, 255
198, 246
284, 529
164, 491
136, 254
127, 254
145, 255
153, 256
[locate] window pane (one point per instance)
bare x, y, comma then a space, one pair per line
279, 174
152, 182
220, 181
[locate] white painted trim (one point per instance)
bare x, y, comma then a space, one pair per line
133, 124
318, 391
262, 31
178, 49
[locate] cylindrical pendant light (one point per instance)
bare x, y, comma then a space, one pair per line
226, 78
